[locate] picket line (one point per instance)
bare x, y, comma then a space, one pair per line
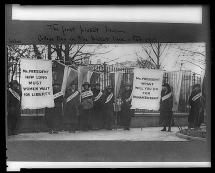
188, 80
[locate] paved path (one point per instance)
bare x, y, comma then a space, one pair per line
148, 145
135, 134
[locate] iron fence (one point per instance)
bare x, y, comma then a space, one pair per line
188, 80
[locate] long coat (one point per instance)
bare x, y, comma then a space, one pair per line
97, 108
196, 115
126, 112
71, 107
108, 111
53, 115
166, 108
13, 110
86, 108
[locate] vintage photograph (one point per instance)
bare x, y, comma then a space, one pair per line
108, 102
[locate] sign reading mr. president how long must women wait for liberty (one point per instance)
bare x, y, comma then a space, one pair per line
147, 87
36, 82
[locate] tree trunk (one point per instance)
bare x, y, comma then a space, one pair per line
49, 52
158, 56
66, 52
59, 52
37, 52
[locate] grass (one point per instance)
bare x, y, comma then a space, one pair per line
198, 132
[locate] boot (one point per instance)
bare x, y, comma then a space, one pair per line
169, 129
164, 129
50, 131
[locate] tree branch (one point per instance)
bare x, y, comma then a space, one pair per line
156, 54
190, 51
194, 64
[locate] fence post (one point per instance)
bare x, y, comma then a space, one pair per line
105, 72
194, 79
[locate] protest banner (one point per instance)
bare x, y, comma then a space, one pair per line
175, 81
36, 84
147, 85
82, 76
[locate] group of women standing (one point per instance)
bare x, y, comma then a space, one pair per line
90, 109
93, 109
196, 104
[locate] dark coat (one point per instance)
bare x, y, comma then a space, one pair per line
109, 105
86, 102
13, 104
195, 114
98, 103
126, 105
126, 112
13, 111
71, 108
53, 115
108, 111
86, 111
166, 108
98, 107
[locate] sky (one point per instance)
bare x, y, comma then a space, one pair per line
172, 57
177, 56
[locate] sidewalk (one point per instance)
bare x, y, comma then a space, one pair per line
135, 134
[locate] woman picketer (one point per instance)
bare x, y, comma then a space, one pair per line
71, 108
166, 105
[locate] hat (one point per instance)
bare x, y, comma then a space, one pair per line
73, 83
97, 84
13, 82
109, 87
167, 86
86, 83
128, 84
56, 84
196, 86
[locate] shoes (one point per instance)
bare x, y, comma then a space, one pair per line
85, 130
71, 131
164, 129
14, 133
169, 130
126, 128
55, 132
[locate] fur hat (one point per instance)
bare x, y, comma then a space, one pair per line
86, 83
167, 86
109, 87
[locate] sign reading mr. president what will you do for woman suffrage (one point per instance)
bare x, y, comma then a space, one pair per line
147, 87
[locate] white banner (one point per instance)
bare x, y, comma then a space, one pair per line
65, 77
36, 84
175, 80
89, 74
147, 85
82, 76
118, 79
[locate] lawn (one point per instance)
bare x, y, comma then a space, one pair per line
198, 132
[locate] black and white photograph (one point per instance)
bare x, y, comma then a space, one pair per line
107, 93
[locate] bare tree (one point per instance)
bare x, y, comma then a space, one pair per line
70, 54
75, 54
193, 54
144, 63
37, 52
15, 52
152, 54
